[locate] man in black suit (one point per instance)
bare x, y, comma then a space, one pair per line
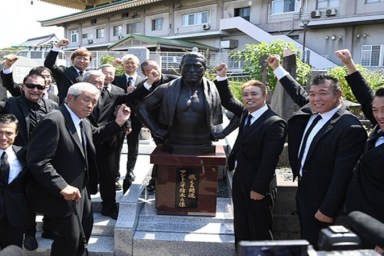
322, 154
61, 156
66, 76
107, 151
13, 174
15, 90
254, 157
29, 108
129, 83
366, 190
152, 71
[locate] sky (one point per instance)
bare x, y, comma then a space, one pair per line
19, 18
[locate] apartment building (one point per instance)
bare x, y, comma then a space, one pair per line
322, 26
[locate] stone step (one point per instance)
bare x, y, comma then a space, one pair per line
182, 244
98, 246
102, 226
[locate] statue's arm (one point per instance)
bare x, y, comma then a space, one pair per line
149, 103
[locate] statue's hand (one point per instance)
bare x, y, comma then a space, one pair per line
215, 136
161, 134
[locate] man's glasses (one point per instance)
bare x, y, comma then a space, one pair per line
33, 86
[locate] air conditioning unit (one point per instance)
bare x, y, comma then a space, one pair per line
206, 26
331, 12
316, 14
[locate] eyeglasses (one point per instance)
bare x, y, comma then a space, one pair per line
33, 86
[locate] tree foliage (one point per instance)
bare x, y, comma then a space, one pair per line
254, 54
375, 79
109, 59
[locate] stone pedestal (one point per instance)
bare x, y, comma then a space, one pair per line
187, 184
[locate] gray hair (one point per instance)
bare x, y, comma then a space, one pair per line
90, 73
107, 66
79, 88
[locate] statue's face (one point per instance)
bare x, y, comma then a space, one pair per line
192, 69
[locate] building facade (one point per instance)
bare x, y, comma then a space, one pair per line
225, 25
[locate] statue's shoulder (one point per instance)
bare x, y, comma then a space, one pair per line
170, 83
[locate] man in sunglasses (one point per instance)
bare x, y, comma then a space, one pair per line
29, 108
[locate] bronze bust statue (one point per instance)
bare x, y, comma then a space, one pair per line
188, 109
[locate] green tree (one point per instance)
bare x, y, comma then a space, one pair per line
109, 59
253, 54
375, 79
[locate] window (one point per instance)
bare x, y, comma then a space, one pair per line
74, 36
117, 30
324, 4
372, 55
124, 15
100, 33
93, 21
374, 1
245, 13
131, 28
84, 36
282, 6
157, 24
195, 18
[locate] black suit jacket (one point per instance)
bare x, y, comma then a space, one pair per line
332, 155
256, 149
121, 81
64, 76
13, 202
18, 106
104, 112
56, 159
366, 190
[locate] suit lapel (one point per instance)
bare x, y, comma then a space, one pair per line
324, 130
71, 128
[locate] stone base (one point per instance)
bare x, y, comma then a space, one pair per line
187, 184
188, 149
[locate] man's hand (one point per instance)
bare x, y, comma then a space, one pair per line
256, 196
274, 61
117, 62
221, 70
10, 59
122, 115
153, 76
131, 88
62, 42
346, 58
71, 193
322, 217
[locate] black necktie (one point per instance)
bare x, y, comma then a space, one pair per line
372, 140
129, 81
248, 123
81, 73
303, 145
4, 167
105, 91
83, 138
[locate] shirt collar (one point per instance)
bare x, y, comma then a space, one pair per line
76, 120
328, 115
256, 114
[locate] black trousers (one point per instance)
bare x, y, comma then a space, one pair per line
252, 219
31, 222
107, 166
10, 235
68, 240
133, 144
